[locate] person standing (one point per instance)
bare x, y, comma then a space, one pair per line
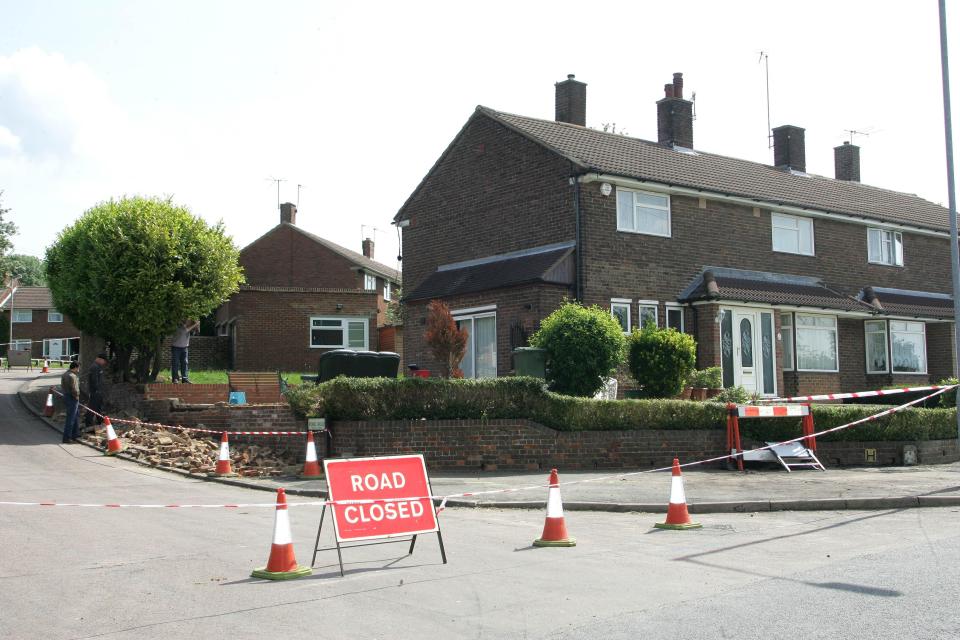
178, 351
70, 387
95, 388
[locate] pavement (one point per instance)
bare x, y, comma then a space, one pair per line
707, 490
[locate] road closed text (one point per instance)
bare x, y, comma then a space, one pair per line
376, 512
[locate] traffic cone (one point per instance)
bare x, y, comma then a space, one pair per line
554, 528
677, 515
282, 564
224, 470
46, 367
113, 442
48, 409
311, 468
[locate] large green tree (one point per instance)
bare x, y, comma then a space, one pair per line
130, 270
7, 229
30, 269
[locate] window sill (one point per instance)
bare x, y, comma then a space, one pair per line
794, 253
884, 264
644, 233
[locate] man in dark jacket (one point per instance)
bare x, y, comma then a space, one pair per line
70, 387
95, 389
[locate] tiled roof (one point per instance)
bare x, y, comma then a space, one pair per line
746, 286
357, 258
552, 264
919, 304
31, 298
644, 160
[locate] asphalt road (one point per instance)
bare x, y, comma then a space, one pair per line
70, 572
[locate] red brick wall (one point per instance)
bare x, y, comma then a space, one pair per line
188, 393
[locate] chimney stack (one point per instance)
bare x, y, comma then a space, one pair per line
675, 116
846, 162
571, 101
368, 248
288, 213
788, 148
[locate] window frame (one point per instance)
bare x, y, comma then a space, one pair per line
54, 316
17, 312
674, 306
886, 345
923, 333
787, 330
369, 278
635, 228
623, 302
473, 316
648, 304
344, 332
896, 247
387, 294
17, 344
836, 341
796, 228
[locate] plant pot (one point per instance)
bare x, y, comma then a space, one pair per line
686, 393
713, 393
698, 394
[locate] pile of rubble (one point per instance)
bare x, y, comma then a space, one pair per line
173, 448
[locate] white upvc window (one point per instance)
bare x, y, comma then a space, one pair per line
620, 310
792, 234
335, 333
643, 212
674, 316
369, 282
648, 314
54, 316
23, 315
908, 346
875, 341
386, 290
885, 247
480, 357
817, 343
786, 335
22, 344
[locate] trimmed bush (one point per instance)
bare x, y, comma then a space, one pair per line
583, 345
525, 398
948, 399
661, 360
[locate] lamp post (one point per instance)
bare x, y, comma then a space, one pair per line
951, 195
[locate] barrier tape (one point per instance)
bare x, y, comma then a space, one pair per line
141, 423
443, 499
5, 344
856, 394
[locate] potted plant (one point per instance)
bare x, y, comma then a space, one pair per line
698, 385
713, 380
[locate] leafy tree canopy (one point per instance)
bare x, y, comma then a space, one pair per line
7, 229
31, 269
130, 270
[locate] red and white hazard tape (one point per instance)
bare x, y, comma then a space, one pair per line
773, 411
857, 394
141, 423
247, 505
443, 499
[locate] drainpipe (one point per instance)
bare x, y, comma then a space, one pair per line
578, 285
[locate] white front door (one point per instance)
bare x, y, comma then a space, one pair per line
747, 369
54, 349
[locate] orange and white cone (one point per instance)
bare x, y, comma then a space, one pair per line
223, 469
113, 442
311, 467
282, 564
677, 515
46, 367
554, 528
48, 408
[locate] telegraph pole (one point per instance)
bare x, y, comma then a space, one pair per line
952, 196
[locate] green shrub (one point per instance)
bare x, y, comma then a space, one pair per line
305, 399
908, 424
661, 360
709, 378
948, 399
583, 346
736, 395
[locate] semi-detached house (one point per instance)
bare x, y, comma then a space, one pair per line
791, 282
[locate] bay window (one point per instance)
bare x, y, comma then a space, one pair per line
816, 343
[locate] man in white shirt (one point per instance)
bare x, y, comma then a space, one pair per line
178, 350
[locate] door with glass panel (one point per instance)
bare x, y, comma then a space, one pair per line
747, 351
480, 358
745, 342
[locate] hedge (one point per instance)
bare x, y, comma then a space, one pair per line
525, 398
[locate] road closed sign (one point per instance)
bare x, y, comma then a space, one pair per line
379, 497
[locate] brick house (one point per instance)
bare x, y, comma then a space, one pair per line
38, 326
792, 282
303, 295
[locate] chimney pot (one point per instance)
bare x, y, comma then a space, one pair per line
675, 116
368, 248
288, 213
846, 162
571, 101
789, 151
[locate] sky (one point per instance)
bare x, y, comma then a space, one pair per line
208, 101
